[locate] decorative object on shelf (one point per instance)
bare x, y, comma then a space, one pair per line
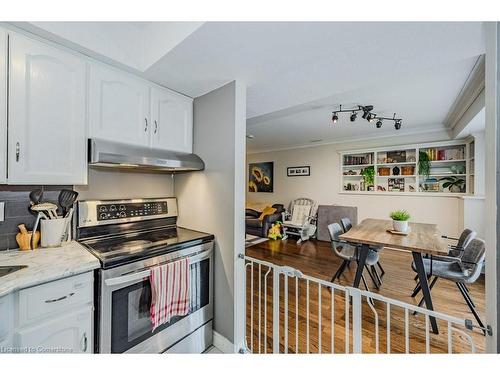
350, 172
395, 171
430, 184
381, 188
300, 171
368, 174
453, 184
368, 115
424, 164
396, 156
407, 170
260, 177
411, 159
400, 220
411, 188
384, 171
458, 168
396, 184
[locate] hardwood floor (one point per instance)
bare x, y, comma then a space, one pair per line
315, 258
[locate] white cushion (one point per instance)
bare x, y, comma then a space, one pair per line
300, 213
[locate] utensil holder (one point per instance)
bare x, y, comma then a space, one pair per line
53, 231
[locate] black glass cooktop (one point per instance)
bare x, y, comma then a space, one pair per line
124, 248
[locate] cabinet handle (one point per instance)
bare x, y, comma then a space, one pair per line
84, 341
146, 127
18, 151
59, 299
156, 126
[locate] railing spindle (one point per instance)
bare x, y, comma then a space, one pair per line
319, 318
427, 340
286, 312
260, 298
407, 332
307, 317
296, 314
388, 325
332, 318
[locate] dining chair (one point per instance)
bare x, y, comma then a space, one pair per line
349, 253
463, 241
462, 270
347, 225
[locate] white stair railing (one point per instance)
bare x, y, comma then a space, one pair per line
273, 331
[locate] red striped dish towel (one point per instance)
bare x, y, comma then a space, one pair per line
169, 291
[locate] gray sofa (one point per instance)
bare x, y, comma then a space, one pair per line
259, 228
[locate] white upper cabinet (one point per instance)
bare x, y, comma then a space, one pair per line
172, 120
47, 114
119, 106
3, 106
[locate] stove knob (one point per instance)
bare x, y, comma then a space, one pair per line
112, 207
122, 207
122, 214
102, 216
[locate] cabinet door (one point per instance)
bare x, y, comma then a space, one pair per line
7, 320
3, 106
47, 114
172, 116
119, 106
71, 333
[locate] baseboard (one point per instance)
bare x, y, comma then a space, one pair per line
223, 344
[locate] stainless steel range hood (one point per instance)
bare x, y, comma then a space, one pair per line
108, 154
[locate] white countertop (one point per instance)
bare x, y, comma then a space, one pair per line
45, 265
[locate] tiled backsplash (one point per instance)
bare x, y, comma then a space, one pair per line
17, 212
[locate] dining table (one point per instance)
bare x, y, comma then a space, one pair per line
420, 239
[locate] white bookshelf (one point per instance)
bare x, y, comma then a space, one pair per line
397, 169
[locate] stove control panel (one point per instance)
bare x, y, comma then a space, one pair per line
92, 213
110, 211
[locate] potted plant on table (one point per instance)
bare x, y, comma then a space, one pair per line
400, 220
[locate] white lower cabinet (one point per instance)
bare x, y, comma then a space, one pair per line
6, 321
55, 317
3, 106
70, 333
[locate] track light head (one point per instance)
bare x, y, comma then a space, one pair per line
354, 116
335, 118
379, 124
397, 124
369, 117
365, 113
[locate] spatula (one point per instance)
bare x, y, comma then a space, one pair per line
66, 200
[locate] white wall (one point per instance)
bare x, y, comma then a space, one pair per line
213, 200
114, 184
323, 185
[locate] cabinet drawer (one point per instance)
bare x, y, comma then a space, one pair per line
45, 300
6, 320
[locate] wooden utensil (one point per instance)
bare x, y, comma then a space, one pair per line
24, 238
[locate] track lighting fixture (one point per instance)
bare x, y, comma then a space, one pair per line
367, 115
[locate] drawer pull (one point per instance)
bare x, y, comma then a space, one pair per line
59, 299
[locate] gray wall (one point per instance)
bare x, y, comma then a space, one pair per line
17, 200
213, 200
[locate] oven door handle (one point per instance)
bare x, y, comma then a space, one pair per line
136, 276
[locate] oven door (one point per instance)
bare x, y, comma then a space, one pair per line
124, 319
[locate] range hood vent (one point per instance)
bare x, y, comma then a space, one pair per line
108, 154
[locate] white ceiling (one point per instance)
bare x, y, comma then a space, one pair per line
297, 72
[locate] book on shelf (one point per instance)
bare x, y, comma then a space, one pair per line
358, 159
436, 154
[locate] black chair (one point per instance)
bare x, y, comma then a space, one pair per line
347, 225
